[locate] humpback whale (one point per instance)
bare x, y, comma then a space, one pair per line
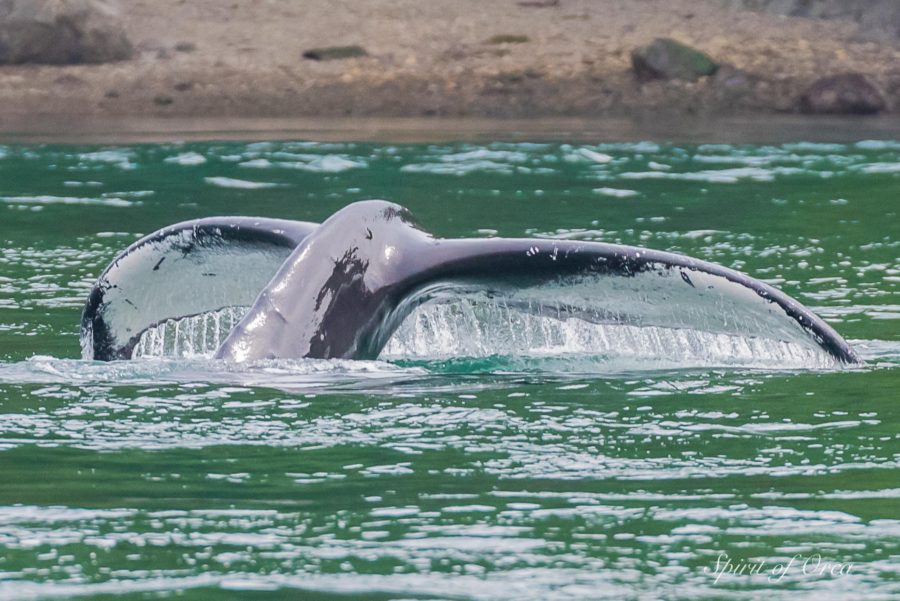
340, 289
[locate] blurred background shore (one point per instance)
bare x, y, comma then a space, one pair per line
647, 60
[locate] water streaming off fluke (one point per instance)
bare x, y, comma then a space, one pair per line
475, 326
194, 336
472, 329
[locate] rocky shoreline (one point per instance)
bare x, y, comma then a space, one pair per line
499, 59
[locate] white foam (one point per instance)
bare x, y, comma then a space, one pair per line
878, 145
597, 157
79, 184
187, 159
294, 374
717, 176
256, 164
67, 200
631, 147
241, 184
117, 158
327, 164
459, 168
505, 162
751, 161
510, 156
616, 192
129, 194
330, 163
880, 168
816, 146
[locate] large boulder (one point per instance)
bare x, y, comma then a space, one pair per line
61, 32
665, 58
846, 94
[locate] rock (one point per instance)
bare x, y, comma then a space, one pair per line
506, 38
539, 3
846, 94
61, 32
733, 79
736, 88
185, 47
667, 59
335, 53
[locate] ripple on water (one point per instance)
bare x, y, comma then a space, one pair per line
480, 477
66, 200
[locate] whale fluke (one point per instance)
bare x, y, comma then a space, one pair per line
188, 268
347, 287
341, 289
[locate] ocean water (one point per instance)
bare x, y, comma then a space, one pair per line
458, 465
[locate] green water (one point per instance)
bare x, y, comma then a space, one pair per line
454, 479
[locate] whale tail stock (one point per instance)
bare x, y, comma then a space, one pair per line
341, 289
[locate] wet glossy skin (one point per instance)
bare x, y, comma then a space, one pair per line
332, 294
347, 286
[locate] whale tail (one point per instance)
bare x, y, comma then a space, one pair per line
347, 287
343, 288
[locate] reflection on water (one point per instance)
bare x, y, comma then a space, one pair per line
431, 475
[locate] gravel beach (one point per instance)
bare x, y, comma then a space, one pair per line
468, 58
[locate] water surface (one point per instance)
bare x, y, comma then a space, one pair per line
560, 477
